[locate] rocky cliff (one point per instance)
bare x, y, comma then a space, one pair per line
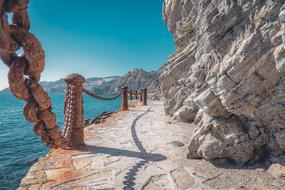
136, 80
227, 75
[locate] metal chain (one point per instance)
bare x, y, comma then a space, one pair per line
100, 97
25, 70
134, 93
25, 73
69, 111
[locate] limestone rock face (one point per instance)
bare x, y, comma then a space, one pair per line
228, 75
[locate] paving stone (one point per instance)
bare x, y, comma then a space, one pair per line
182, 179
157, 183
81, 162
140, 150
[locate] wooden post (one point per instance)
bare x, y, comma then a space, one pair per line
144, 96
73, 111
131, 95
125, 105
136, 95
141, 96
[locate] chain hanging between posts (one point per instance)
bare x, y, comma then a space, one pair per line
100, 97
24, 76
25, 71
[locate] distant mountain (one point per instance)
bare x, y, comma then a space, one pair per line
135, 80
95, 83
101, 85
54, 86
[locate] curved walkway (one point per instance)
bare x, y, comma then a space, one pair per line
139, 149
129, 182
128, 152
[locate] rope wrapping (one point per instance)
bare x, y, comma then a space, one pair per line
100, 97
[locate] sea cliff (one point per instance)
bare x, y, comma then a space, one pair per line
227, 76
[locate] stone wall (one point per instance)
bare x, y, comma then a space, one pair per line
227, 75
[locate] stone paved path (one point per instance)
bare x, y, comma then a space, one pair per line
139, 149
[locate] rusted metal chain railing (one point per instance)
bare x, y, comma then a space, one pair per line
125, 104
141, 96
131, 94
101, 97
126, 95
73, 111
25, 70
144, 96
24, 76
136, 96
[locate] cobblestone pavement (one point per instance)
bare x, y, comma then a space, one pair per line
139, 149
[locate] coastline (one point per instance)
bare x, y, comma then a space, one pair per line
143, 149
47, 165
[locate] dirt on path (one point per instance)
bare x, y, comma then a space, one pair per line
141, 149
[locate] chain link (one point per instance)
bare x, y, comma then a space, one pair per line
25, 71
101, 97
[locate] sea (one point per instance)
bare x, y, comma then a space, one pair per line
19, 146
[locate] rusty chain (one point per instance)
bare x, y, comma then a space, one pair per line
100, 97
25, 71
134, 93
69, 110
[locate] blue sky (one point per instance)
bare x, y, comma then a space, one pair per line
98, 37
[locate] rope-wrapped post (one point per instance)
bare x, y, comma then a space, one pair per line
145, 96
136, 95
73, 110
125, 105
141, 96
131, 95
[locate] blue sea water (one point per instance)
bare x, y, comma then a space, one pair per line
19, 147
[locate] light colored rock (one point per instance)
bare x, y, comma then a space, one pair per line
182, 178
277, 170
209, 103
279, 56
81, 162
220, 138
282, 20
186, 114
230, 63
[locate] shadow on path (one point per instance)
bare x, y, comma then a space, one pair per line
134, 132
126, 153
130, 177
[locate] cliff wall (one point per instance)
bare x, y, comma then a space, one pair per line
227, 75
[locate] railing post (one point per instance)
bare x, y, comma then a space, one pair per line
125, 105
136, 95
145, 96
73, 110
141, 96
131, 95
